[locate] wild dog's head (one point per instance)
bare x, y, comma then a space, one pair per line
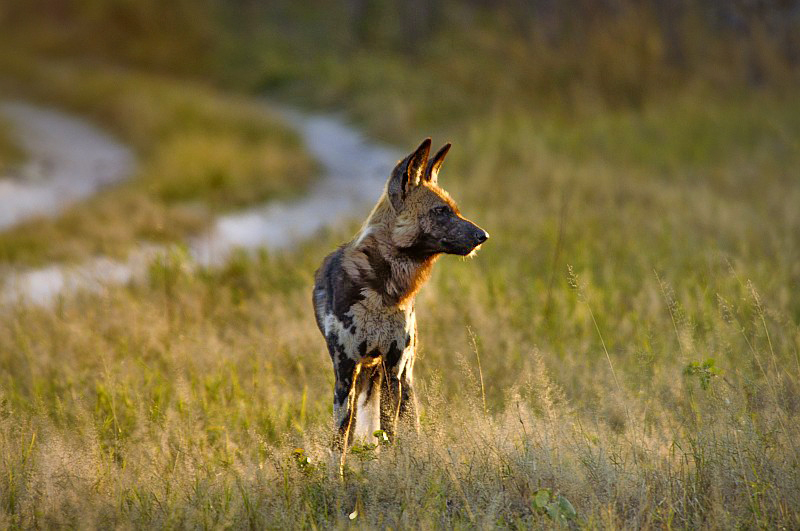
427, 221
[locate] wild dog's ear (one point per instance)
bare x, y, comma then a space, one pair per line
408, 174
432, 169
416, 163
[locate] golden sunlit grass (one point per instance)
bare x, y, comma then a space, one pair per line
200, 153
635, 315
654, 383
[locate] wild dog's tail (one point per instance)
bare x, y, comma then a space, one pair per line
319, 299
323, 287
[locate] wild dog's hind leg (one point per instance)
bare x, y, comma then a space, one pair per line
346, 371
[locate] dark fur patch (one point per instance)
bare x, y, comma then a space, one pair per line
423, 247
344, 379
380, 270
394, 355
332, 340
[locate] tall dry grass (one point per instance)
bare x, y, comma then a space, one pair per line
633, 314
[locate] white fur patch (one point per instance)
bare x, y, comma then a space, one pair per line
346, 338
368, 417
473, 252
364, 233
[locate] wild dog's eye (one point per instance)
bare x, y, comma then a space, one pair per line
442, 210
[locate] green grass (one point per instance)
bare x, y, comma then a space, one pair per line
10, 152
200, 152
475, 61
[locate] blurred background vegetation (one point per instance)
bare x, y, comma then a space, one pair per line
616, 53
635, 312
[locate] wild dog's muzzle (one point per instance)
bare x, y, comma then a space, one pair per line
468, 238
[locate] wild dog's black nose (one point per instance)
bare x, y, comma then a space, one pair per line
481, 235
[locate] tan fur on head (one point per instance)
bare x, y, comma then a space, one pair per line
406, 224
405, 229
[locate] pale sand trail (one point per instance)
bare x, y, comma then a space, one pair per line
67, 160
353, 172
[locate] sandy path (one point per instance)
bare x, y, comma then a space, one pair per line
354, 170
68, 160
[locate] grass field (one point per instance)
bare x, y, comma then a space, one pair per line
10, 152
200, 152
623, 352
653, 385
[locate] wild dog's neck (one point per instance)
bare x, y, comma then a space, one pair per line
408, 276
392, 272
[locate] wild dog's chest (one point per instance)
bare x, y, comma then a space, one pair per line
373, 332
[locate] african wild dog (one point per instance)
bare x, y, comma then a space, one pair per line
364, 294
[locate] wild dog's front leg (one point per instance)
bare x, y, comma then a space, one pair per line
398, 399
408, 398
398, 403
409, 409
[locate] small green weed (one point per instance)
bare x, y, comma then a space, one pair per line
556, 506
705, 371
